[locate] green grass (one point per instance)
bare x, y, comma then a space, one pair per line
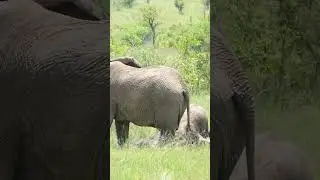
168, 16
299, 125
192, 163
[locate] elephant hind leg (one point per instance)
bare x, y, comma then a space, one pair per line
9, 148
122, 129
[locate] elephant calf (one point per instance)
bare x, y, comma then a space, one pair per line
275, 160
198, 121
198, 126
146, 96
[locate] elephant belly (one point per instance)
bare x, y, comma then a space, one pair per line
143, 119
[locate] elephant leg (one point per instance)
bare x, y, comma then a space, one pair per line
110, 122
9, 145
216, 150
166, 135
122, 128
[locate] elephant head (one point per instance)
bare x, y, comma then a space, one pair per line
129, 61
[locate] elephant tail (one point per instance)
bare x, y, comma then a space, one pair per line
245, 105
187, 102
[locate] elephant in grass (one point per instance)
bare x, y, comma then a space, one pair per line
198, 121
198, 127
275, 159
146, 96
232, 110
54, 94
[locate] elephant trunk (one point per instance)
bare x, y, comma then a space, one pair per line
202, 139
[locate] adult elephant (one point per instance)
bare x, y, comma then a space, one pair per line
276, 159
54, 94
146, 96
232, 109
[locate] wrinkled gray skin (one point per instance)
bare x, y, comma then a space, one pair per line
90, 9
232, 109
198, 121
146, 96
275, 159
54, 94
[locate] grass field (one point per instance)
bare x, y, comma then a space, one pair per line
189, 163
132, 163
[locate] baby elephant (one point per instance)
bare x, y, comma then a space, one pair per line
198, 121
275, 160
198, 127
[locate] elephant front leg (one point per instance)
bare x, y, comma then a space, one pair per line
165, 135
122, 128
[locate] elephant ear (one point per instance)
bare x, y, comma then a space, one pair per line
129, 61
72, 10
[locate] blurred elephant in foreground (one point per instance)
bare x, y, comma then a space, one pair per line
54, 94
232, 110
146, 96
275, 159
81, 9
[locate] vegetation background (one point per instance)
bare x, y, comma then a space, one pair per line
278, 43
172, 33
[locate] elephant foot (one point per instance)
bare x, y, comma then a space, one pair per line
148, 142
190, 138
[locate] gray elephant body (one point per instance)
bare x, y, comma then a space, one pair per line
198, 121
54, 95
232, 109
275, 159
150, 96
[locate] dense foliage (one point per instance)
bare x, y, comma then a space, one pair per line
278, 43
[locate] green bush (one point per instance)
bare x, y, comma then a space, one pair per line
182, 45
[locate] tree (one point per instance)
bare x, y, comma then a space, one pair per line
179, 5
127, 3
150, 18
206, 4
